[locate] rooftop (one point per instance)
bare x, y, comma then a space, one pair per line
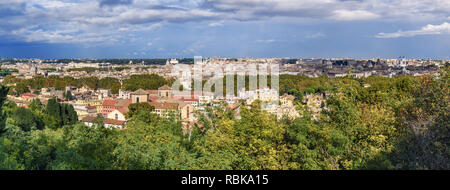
140, 92
165, 87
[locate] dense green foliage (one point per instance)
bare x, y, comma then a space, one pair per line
64, 114
151, 81
68, 95
4, 72
39, 82
146, 81
369, 123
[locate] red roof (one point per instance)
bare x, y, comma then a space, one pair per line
113, 121
189, 99
109, 102
123, 110
29, 94
90, 107
153, 98
164, 106
123, 103
152, 91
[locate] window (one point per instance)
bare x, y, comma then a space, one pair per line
167, 94
188, 112
137, 99
117, 116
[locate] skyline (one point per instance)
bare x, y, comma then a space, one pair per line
55, 29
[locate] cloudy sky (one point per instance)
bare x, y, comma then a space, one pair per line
224, 28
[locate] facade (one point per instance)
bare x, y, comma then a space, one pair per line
108, 106
139, 96
163, 109
124, 94
287, 100
117, 115
108, 123
165, 91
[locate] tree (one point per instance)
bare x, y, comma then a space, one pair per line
255, 142
36, 105
68, 95
152, 147
425, 131
146, 81
3, 93
21, 88
135, 108
110, 83
64, 114
53, 109
26, 120
86, 148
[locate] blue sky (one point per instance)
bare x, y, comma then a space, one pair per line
224, 28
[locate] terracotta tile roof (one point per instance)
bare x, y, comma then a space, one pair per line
123, 110
152, 92
152, 98
113, 121
165, 87
140, 92
89, 119
29, 94
123, 103
90, 107
164, 105
109, 102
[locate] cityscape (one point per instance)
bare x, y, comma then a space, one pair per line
216, 93
112, 104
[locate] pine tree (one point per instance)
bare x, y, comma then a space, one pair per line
53, 109
3, 92
72, 114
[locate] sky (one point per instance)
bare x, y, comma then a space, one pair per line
53, 29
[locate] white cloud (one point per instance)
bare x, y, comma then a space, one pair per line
49, 20
346, 15
426, 30
216, 24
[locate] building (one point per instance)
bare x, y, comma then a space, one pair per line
124, 94
165, 106
287, 100
192, 101
108, 106
165, 91
265, 95
163, 109
118, 114
28, 96
108, 123
84, 111
139, 96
